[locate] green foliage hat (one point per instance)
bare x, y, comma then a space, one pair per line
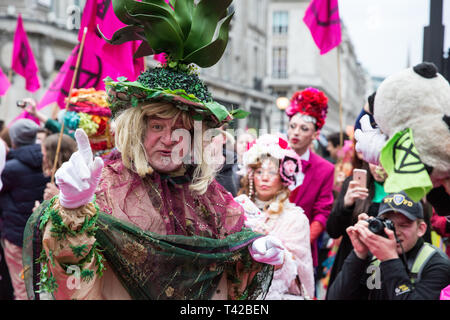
188, 32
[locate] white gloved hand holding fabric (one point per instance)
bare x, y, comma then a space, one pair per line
370, 141
267, 250
78, 178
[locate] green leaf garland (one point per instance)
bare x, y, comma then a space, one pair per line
60, 231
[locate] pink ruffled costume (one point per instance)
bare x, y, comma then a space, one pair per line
291, 226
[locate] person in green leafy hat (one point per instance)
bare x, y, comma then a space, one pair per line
151, 222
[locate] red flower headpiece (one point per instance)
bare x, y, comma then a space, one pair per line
311, 102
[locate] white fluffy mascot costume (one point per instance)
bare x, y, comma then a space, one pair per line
412, 141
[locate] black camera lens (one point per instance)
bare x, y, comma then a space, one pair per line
376, 226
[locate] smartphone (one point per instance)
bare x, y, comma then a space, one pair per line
360, 175
21, 103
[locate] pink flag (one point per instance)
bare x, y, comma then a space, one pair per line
160, 57
99, 58
4, 83
322, 19
23, 60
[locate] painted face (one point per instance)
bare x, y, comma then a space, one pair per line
267, 180
300, 134
164, 153
408, 231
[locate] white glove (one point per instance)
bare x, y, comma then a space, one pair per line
78, 178
267, 250
370, 141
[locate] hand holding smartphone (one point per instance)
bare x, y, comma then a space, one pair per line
357, 188
360, 175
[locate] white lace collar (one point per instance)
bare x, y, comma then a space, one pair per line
273, 204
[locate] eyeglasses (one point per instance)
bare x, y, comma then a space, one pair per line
269, 172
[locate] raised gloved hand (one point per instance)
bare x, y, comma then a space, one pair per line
267, 250
78, 178
370, 141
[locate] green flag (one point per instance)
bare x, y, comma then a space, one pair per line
405, 170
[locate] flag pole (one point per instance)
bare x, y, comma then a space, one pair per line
341, 130
75, 73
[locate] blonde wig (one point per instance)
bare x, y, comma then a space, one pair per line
130, 132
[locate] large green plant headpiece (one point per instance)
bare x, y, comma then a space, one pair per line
188, 32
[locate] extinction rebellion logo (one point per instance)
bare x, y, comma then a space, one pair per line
405, 153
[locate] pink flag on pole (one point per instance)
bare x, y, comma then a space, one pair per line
4, 83
99, 58
23, 61
322, 19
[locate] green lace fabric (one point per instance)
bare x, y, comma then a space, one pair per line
150, 265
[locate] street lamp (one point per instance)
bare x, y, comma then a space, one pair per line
282, 103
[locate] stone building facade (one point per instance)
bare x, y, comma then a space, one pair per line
52, 28
265, 37
294, 63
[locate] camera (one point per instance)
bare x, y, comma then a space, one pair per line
377, 225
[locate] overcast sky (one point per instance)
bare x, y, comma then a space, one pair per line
384, 32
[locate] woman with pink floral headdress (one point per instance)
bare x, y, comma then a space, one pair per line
307, 114
271, 168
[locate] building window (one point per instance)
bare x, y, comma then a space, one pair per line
279, 62
280, 22
254, 118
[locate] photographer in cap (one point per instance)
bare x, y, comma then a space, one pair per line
390, 260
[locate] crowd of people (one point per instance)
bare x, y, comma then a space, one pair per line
140, 191
312, 216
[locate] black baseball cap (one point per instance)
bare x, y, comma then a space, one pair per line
400, 202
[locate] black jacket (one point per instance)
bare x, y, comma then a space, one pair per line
440, 200
227, 176
351, 283
338, 221
341, 218
23, 184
